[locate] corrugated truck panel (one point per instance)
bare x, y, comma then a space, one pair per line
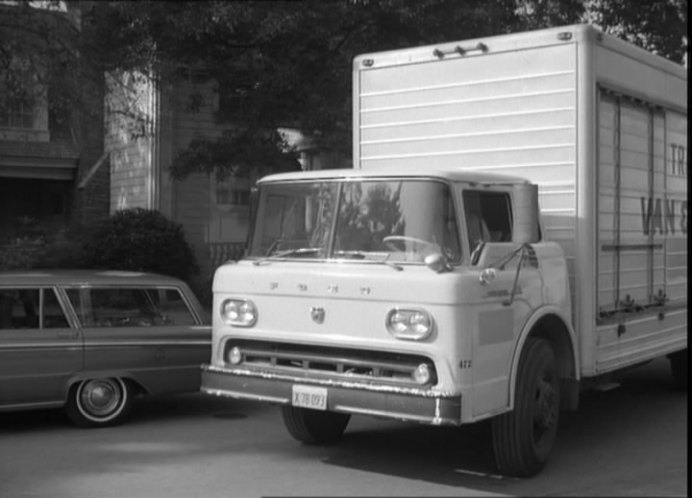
527, 106
639, 200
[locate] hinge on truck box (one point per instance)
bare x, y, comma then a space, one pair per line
440, 54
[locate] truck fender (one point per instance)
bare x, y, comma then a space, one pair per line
542, 323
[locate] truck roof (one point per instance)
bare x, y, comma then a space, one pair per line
516, 42
443, 173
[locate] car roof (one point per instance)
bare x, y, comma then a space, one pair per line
79, 277
450, 173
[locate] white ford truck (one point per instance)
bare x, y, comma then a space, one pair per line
513, 230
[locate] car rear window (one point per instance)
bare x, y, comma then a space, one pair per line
30, 308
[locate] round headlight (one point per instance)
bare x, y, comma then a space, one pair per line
235, 356
409, 324
239, 312
422, 375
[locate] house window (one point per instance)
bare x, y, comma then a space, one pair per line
17, 112
23, 101
232, 192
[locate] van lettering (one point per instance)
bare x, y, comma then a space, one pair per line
669, 208
660, 214
683, 217
678, 164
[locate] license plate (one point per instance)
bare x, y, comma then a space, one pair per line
310, 397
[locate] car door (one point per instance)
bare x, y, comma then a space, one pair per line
147, 333
40, 346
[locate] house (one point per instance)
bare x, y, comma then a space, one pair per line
45, 152
214, 213
69, 171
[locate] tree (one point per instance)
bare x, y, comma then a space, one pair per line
287, 64
659, 26
278, 64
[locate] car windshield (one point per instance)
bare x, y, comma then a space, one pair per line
383, 220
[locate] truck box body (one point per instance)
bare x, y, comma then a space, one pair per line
599, 125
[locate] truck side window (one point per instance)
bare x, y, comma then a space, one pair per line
488, 216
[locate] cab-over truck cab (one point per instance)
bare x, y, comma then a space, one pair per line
421, 296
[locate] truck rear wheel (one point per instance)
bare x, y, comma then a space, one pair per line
314, 426
524, 437
679, 368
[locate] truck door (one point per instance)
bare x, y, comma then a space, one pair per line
505, 301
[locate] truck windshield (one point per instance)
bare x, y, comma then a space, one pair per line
393, 220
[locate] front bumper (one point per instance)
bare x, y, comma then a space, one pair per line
409, 404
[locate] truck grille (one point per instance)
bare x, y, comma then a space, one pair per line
331, 363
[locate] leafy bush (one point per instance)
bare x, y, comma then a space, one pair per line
139, 240
41, 250
22, 253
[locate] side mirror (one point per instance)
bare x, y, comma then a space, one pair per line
437, 263
526, 229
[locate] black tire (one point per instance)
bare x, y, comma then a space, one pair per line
99, 402
679, 368
524, 437
314, 426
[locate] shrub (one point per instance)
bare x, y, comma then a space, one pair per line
22, 253
139, 240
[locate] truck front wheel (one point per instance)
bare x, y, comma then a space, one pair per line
524, 437
314, 426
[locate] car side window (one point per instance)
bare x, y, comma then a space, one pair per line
172, 304
53, 315
19, 308
130, 307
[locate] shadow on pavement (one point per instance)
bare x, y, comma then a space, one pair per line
607, 430
145, 409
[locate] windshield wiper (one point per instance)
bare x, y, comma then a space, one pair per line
288, 253
355, 254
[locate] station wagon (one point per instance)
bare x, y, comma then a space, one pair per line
90, 341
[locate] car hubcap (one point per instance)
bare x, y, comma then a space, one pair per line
100, 397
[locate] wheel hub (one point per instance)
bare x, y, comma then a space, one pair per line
546, 407
100, 398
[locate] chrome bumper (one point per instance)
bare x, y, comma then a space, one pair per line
393, 402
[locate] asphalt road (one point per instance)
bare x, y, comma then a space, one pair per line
631, 441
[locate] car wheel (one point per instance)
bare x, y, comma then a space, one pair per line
99, 402
314, 426
524, 437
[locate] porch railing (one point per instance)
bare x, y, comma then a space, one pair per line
220, 252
